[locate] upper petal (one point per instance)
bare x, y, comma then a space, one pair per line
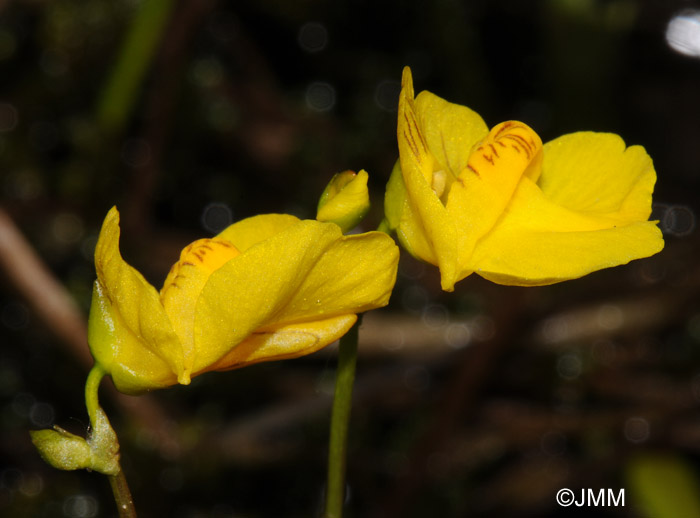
426, 209
538, 242
450, 130
136, 306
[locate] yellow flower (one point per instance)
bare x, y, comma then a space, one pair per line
269, 287
500, 204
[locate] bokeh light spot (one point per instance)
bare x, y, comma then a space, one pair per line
386, 95
458, 336
683, 33
41, 415
67, 228
483, 328
435, 316
320, 96
678, 220
313, 37
610, 317
637, 430
31, 485
216, 217
569, 366
80, 506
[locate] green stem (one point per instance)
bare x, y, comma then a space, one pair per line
91, 386
384, 227
120, 488
340, 417
122, 495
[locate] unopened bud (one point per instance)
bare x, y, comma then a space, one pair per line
64, 450
345, 201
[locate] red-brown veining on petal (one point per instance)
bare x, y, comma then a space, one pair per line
505, 142
520, 141
410, 138
204, 255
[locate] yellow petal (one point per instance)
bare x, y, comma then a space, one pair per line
450, 131
477, 200
538, 242
355, 274
593, 172
248, 292
184, 284
402, 218
250, 231
285, 342
131, 322
428, 215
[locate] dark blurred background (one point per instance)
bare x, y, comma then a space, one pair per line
189, 115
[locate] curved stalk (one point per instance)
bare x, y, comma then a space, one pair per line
120, 488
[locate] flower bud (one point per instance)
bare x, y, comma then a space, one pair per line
66, 451
345, 201
62, 449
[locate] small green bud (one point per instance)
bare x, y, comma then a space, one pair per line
345, 201
66, 451
62, 449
